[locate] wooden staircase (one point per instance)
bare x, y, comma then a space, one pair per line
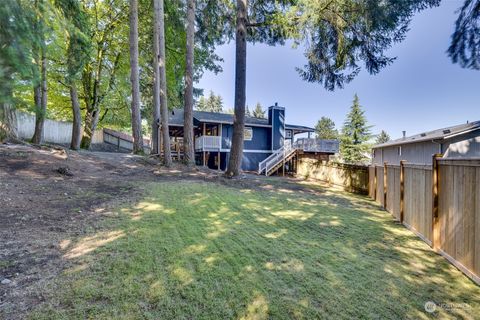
277, 160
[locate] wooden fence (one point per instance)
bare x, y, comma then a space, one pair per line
439, 203
353, 178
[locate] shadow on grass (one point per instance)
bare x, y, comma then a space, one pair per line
203, 250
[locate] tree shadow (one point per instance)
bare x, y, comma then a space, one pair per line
204, 250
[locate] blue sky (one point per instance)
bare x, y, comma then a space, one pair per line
422, 90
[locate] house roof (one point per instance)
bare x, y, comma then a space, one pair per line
176, 119
439, 134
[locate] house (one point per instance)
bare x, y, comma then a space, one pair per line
460, 141
268, 143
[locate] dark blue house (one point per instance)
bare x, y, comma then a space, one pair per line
264, 139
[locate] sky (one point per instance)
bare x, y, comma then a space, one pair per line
422, 90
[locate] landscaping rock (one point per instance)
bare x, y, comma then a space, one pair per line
6, 281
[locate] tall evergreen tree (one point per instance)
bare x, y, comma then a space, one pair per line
355, 135
258, 112
256, 21
338, 35
135, 79
341, 34
325, 129
40, 89
167, 157
156, 78
247, 111
78, 51
382, 137
465, 45
189, 153
17, 34
212, 103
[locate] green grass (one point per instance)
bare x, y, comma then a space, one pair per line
194, 250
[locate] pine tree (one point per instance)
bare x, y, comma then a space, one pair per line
212, 103
355, 135
258, 112
382, 137
465, 46
247, 111
325, 129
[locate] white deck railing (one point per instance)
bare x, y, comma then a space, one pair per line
305, 144
317, 145
275, 158
208, 143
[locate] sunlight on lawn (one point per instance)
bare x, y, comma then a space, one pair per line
89, 244
193, 250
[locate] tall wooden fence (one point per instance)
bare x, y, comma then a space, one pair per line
440, 203
353, 178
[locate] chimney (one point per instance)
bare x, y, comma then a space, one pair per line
404, 134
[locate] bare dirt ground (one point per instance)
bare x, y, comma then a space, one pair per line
47, 195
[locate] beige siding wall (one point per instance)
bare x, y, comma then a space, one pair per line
468, 146
416, 153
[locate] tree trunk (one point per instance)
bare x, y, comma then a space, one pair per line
40, 97
91, 121
188, 151
8, 122
236, 151
134, 77
77, 118
156, 78
163, 89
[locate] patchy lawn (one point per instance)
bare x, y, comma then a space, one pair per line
203, 250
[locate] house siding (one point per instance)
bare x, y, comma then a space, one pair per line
261, 138
415, 153
462, 146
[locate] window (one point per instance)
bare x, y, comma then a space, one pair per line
400, 150
248, 134
288, 134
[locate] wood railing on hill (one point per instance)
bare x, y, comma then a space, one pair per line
440, 203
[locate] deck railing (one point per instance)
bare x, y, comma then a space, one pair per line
208, 143
275, 158
317, 145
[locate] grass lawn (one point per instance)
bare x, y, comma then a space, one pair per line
197, 250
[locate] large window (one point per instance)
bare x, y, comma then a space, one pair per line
247, 134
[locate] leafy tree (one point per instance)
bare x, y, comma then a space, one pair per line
258, 112
382, 137
325, 129
465, 46
355, 135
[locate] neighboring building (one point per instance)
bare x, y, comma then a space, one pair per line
263, 138
461, 141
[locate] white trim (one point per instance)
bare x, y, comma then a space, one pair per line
226, 122
248, 151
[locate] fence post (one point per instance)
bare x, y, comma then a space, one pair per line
374, 182
385, 182
435, 183
402, 190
